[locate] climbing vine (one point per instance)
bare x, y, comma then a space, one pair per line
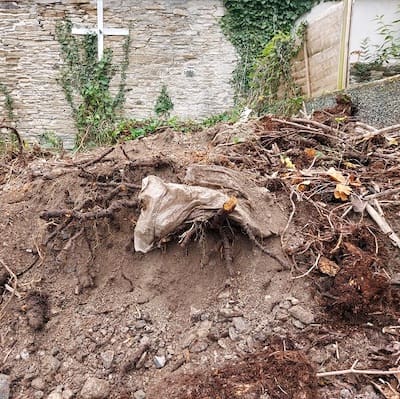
8, 101
272, 88
251, 24
86, 84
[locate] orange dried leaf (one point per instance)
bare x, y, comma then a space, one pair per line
328, 266
304, 185
310, 152
230, 205
354, 181
336, 175
342, 191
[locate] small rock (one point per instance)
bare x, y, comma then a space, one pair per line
233, 335
24, 354
228, 313
281, 315
38, 395
301, 314
5, 381
139, 394
199, 346
146, 316
142, 299
195, 314
38, 383
250, 343
142, 361
298, 324
159, 361
240, 324
346, 394
293, 300
55, 395
107, 358
222, 343
318, 356
204, 328
140, 324
67, 394
50, 365
95, 388
285, 304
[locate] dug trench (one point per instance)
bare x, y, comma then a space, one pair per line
214, 310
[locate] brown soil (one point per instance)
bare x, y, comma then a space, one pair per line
81, 303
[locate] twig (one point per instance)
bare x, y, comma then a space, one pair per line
89, 162
379, 132
318, 124
381, 194
353, 370
14, 290
263, 248
310, 269
383, 224
101, 213
290, 217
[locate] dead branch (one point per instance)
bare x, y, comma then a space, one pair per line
155, 162
13, 289
88, 162
263, 248
318, 124
353, 370
371, 134
99, 214
391, 191
383, 224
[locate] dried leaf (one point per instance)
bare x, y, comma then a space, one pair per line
310, 152
342, 191
328, 266
336, 175
230, 205
354, 181
287, 162
392, 141
304, 185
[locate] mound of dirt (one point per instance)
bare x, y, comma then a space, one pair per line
249, 296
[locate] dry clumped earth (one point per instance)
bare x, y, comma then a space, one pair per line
223, 313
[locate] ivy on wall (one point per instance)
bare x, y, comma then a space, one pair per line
87, 82
251, 24
8, 101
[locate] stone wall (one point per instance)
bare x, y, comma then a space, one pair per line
178, 43
323, 48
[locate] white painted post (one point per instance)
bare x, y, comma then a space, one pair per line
100, 30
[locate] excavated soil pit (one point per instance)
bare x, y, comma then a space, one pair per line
85, 316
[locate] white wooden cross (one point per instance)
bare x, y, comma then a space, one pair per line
100, 31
